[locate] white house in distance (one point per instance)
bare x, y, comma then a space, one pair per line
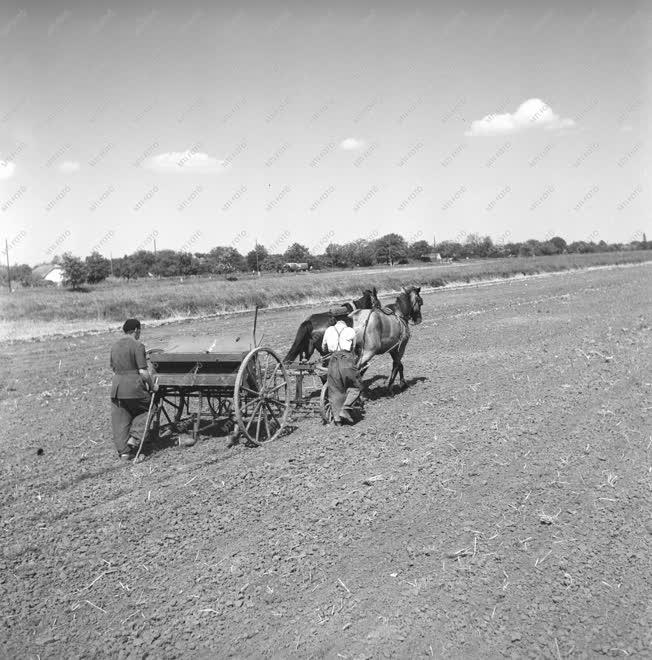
49, 272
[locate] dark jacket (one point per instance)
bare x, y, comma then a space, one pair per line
127, 357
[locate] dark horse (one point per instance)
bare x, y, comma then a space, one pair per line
311, 331
385, 330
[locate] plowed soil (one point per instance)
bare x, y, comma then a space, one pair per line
499, 506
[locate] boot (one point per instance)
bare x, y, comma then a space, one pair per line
345, 415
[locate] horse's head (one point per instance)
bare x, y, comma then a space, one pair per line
410, 302
367, 300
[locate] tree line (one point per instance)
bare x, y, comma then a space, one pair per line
390, 249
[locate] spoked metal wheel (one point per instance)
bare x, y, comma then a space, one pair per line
325, 405
262, 396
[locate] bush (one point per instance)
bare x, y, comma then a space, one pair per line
98, 268
75, 272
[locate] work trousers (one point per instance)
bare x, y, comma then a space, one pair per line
128, 418
343, 382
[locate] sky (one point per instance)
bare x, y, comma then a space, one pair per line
202, 124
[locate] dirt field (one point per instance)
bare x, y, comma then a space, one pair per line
500, 506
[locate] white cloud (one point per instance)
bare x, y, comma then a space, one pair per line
184, 161
533, 113
69, 166
7, 169
351, 144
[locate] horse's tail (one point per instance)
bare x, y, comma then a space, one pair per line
300, 341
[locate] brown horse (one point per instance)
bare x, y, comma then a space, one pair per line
385, 330
311, 331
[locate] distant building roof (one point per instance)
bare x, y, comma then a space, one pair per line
52, 272
42, 271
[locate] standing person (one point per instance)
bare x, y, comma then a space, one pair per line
130, 398
343, 379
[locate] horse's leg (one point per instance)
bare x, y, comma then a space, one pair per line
362, 366
400, 352
364, 360
323, 362
397, 366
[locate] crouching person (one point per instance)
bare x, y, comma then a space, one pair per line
343, 380
130, 390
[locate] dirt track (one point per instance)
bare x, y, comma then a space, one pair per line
500, 506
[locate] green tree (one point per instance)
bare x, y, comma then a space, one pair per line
21, 273
548, 248
478, 246
335, 256
486, 247
450, 249
581, 247
74, 271
359, 253
98, 268
140, 263
390, 249
166, 264
202, 263
225, 259
559, 243
535, 246
419, 250
511, 249
188, 265
256, 257
297, 253
122, 267
272, 263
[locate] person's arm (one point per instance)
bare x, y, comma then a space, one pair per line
324, 345
353, 340
141, 363
147, 379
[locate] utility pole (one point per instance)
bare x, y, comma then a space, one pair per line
8, 267
154, 247
111, 260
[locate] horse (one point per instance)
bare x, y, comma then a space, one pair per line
311, 331
385, 330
